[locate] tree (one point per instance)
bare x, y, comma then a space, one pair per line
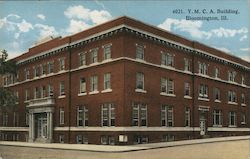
7, 98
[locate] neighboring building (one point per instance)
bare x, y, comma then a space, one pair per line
126, 82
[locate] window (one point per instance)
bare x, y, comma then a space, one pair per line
203, 92
167, 85
232, 119
82, 85
61, 64
108, 114
16, 94
15, 119
61, 138
50, 67
187, 89
217, 118
140, 139
139, 114
243, 118
107, 52
82, 59
43, 93
61, 116
167, 116
94, 55
187, 116
80, 139
107, 140
217, 94
5, 119
27, 118
36, 71
243, 101
167, 59
139, 80
62, 89
43, 69
82, 116
242, 80
203, 68
231, 76
27, 95
216, 72
27, 74
187, 65
107, 82
94, 83
139, 52
50, 90
232, 96
37, 93
168, 138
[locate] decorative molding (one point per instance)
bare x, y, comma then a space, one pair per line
14, 128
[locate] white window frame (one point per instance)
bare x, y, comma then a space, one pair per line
232, 115
167, 115
83, 85
61, 63
62, 88
108, 114
187, 117
61, 116
140, 80
139, 52
203, 68
140, 117
94, 55
167, 86
187, 66
82, 59
217, 114
167, 59
94, 83
107, 81
82, 116
107, 52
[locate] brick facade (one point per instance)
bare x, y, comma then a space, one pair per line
55, 117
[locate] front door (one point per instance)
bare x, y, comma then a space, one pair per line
42, 126
202, 127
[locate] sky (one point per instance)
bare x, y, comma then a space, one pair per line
23, 23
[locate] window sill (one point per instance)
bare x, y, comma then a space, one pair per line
82, 94
106, 90
140, 91
140, 60
187, 97
107, 60
93, 64
61, 96
166, 94
168, 67
82, 66
232, 103
203, 99
232, 126
243, 104
217, 101
93, 92
217, 126
243, 123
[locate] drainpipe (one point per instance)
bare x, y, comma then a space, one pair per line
193, 90
69, 90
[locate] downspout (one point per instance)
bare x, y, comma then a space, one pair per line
193, 90
69, 91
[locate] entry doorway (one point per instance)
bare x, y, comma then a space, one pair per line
41, 125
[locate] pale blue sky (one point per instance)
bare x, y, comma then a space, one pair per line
22, 23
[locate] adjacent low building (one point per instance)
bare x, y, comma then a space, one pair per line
126, 82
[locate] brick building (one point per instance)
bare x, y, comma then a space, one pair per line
126, 82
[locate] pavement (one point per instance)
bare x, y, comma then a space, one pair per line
116, 149
213, 148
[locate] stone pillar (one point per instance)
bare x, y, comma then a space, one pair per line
48, 125
31, 127
51, 126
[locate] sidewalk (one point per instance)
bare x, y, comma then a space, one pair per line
117, 149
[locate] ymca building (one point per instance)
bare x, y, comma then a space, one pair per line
125, 82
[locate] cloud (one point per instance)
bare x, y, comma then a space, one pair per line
243, 38
45, 31
82, 18
194, 28
24, 26
82, 13
76, 26
245, 49
223, 49
41, 16
246, 58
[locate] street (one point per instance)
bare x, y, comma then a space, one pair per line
219, 150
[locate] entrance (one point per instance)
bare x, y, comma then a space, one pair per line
41, 125
202, 127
